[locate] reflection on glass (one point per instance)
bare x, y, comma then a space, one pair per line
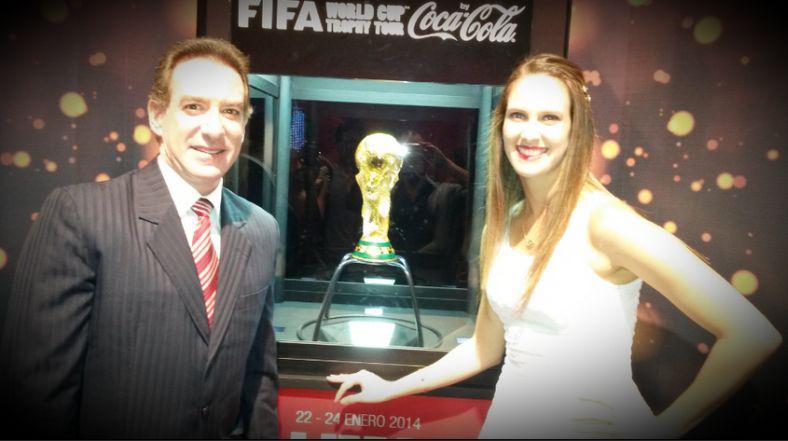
380, 330
429, 216
371, 333
251, 177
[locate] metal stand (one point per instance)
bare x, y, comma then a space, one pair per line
348, 259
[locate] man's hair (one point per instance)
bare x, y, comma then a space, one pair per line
183, 50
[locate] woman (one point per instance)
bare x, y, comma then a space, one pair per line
567, 325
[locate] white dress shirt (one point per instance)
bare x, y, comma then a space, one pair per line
184, 196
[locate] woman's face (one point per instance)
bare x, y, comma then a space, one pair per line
536, 125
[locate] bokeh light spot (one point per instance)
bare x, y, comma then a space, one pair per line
142, 134
708, 30
113, 135
670, 227
610, 149
613, 128
54, 11
630, 162
703, 348
606, 179
142, 163
706, 237
38, 124
712, 144
6, 159
681, 123
660, 76
592, 76
97, 59
725, 181
638, 151
645, 196
739, 181
121, 147
744, 281
22, 159
140, 112
73, 105
697, 185
101, 177
50, 166
676, 178
34, 216
745, 60
773, 155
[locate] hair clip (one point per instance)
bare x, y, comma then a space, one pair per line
587, 95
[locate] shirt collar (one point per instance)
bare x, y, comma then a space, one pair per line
184, 195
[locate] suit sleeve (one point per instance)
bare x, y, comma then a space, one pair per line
45, 335
261, 384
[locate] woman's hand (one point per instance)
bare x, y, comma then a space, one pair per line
373, 388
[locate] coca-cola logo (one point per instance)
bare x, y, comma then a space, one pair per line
488, 22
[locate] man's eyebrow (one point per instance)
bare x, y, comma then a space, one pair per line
201, 99
191, 98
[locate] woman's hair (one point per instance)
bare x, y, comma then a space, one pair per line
503, 184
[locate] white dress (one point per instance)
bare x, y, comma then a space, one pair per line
567, 371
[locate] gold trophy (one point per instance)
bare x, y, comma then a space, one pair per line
379, 159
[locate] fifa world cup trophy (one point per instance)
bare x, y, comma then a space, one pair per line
379, 159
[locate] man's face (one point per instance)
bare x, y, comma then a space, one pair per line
202, 127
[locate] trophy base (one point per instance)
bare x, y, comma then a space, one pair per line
374, 251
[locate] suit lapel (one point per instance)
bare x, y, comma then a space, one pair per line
168, 243
232, 263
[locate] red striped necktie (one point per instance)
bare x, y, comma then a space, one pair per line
205, 258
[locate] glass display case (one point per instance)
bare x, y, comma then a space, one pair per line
303, 133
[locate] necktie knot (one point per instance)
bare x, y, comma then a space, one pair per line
202, 207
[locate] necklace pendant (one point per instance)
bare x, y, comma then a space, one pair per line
529, 243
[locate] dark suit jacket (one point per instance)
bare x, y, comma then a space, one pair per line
106, 333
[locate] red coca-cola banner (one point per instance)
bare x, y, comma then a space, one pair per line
307, 413
440, 41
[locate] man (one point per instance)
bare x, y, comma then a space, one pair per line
142, 306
